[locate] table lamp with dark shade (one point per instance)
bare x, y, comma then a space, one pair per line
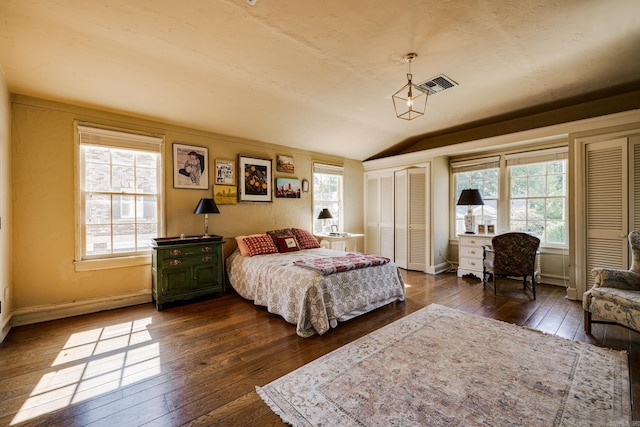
206, 206
324, 216
470, 197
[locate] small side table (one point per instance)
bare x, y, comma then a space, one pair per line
344, 241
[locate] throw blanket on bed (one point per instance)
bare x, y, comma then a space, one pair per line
338, 264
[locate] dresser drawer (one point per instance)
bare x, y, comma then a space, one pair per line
188, 260
471, 252
471, 264
185, 251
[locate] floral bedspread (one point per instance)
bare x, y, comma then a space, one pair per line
338, 264
306, 298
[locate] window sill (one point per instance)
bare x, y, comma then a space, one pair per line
107, 263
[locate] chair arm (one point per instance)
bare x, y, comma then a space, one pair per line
614, 278
487, 250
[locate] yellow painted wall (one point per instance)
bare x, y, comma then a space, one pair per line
44, 212
5, 208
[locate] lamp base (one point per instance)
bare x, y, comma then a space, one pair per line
470, 223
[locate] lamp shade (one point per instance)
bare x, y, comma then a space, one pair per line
470, 197
206, 206
325, 214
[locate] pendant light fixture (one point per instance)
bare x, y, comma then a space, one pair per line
409, 102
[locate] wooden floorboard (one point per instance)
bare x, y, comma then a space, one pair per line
198, 363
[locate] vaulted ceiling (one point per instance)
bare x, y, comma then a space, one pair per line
317, 75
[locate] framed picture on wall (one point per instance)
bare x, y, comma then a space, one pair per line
255, 179
225, 172
190, 167
287, 188
285, 164
225, 194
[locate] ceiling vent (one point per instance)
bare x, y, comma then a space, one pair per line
437, 84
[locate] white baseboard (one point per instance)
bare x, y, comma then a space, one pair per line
6, 327
439, 268
43, 313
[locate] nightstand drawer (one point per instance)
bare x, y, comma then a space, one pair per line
471, 252
471, 263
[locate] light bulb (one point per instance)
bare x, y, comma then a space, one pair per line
410, 102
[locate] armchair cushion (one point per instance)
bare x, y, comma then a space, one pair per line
612, 278
615, 295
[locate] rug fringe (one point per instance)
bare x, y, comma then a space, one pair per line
275, 407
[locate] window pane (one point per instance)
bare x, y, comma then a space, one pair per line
538, 200
98, 239
98, 209
124, 238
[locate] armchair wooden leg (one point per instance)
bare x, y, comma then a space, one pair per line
587, 322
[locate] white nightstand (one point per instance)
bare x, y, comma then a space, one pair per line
470, 253
345, 241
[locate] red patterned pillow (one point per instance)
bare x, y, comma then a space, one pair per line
260, 245
305, 239
282, 232
287, 243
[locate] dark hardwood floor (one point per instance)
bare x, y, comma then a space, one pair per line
198, 363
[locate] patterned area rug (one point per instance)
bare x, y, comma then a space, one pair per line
440, 366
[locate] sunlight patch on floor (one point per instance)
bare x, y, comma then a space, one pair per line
119, 355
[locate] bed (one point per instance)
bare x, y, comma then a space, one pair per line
311, 300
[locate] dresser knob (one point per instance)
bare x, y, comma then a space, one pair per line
176, 252
175, 262
206, 258
206, 249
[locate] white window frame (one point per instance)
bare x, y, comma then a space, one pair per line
472, 165
88, 134
538, 157
331, 204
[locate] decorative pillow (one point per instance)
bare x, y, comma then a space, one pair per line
260, 245
305, 239
282, 232
242, 246
287, 243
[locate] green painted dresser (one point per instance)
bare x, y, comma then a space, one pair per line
184, 269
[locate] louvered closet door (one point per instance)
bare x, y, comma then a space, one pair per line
634, 191
607, 187
417, 226
372, 213
386, 225
401, 218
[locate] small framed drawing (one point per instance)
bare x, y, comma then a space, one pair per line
480, 228
287, 188
491, 229
255, 179
190, 167
285, 164
225, 194
225, 172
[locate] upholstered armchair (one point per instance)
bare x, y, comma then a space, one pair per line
615, 295
511, 255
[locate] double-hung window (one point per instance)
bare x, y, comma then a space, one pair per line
538, 194
327, 194
483, 175
119, 193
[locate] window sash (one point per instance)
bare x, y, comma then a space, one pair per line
321, 174
99, 208
524, 207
